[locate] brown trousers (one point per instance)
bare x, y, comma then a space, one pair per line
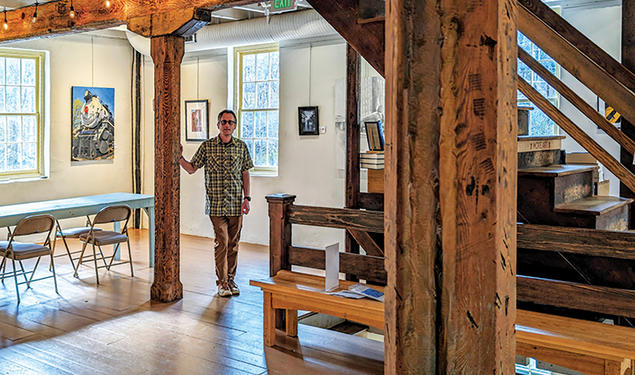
227, 234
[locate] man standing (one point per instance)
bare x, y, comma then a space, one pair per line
227, 162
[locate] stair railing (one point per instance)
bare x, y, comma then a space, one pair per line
592, 66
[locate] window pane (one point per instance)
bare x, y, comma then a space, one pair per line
273, 154
249, 68
272, 124
3, 129
13, 99
250, 147
28, 72
247, 125
13, 123
29, 155
29, 129
261, 124
274, 95
28, 99
274, 63
13, 156
2, 108
260, 157
262, 66
540, 124
13, 71
262, 91
3, 154
2, 70
249, 96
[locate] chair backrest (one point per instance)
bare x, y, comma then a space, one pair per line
112, 214
34, 224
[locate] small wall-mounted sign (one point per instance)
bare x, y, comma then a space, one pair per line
279, 5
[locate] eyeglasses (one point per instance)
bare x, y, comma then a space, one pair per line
225, 122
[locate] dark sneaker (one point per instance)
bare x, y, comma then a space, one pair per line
234, 288
224, 291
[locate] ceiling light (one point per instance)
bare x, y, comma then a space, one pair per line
71, 14
5, 25
107, 3
35, 12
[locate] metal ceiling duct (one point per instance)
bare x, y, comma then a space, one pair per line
286, 26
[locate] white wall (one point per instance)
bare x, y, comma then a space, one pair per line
307, 164
603, 26
81, 60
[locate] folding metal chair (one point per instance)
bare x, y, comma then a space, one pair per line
99, 238
20, 251
64, 234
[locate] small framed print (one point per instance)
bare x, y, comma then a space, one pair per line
196, 120
308, 121
374, 136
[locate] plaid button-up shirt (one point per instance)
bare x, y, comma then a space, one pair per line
224, 164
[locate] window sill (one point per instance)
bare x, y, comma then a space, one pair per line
263, 174
11, 180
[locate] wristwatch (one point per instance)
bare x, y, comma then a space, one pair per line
248, 198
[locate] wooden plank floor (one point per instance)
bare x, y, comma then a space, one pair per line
114, 328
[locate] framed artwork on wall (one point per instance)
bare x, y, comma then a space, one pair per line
196, 120
374, 136
308, 121
92, 123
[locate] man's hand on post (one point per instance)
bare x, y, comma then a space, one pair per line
245, 207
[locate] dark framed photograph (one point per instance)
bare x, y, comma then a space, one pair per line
374, 136
308, 121
196, 120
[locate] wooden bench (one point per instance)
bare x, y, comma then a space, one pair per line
293, 291
589, 347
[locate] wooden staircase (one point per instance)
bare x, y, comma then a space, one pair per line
557, 194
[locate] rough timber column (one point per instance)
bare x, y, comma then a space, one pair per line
167, 53
450, 189
628, 59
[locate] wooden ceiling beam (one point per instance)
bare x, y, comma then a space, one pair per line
53, 18
182, 22
366, 38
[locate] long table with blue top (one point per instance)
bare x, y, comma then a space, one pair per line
67, 208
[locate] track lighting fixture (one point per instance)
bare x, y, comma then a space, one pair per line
5, 25
71, 13
35, 12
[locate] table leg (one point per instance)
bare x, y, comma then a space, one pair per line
116, 227
150, 212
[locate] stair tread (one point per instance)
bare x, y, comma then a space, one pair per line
595, 205
540, 137
555, 170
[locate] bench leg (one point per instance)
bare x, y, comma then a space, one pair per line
292, 323
269, 321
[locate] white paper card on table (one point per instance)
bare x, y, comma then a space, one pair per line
332, 279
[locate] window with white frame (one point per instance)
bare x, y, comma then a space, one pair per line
21, 120
258, 99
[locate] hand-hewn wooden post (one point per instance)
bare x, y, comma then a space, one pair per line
279, 239
450, 186
628, 59
167, 53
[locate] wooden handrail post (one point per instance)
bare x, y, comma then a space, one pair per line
279, 231
279, 239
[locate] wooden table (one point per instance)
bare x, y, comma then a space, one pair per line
81, 206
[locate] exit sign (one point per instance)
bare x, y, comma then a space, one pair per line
283, 5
